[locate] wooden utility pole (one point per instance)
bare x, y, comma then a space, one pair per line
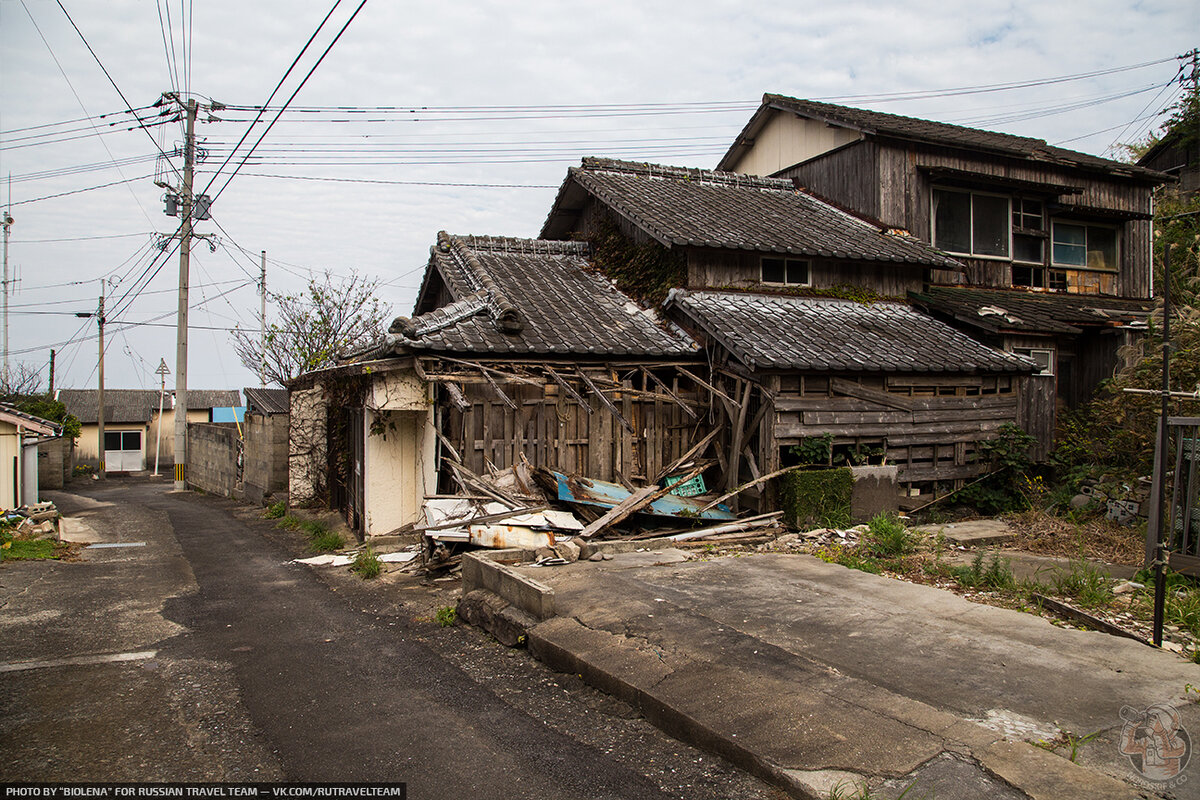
100, 391
51, 374
262, 323
188, 203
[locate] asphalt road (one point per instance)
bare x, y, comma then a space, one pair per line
198, 652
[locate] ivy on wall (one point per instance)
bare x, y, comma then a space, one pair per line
645, 271
816, 498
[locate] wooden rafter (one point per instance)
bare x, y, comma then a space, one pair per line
674, 397
568, 388
594, 389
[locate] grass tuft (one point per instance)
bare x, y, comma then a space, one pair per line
888, 538
446, 616
367, 565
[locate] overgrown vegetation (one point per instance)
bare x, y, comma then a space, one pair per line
816, 498
1007, 486
321, 539
367, 564
645, 271
276, 510
446, 616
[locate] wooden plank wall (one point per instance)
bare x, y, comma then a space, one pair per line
551, 429
724, 269
930, 426
1036, 409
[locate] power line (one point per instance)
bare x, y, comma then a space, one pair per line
407, 183
80, 191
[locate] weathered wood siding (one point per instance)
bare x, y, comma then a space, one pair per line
551, 429
739, 269
1036, 412
848, 176
929, 426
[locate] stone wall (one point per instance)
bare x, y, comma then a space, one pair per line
212, 457
265, 475
307, 448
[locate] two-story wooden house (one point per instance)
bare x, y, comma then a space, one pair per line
801, 309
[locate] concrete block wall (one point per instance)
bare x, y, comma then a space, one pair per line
266, 456
212, 454
52, 471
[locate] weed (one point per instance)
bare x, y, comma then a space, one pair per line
838, 554
276, 510
863, 792
325, 541
367, 565
887, 537
290, 523
1189, 690
446, 616
1183, 608
1084, 582
1074, 743
995, 574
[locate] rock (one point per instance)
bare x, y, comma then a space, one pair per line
567, 550
1081, 501
597, 556
544, 552
606, 556
1127, 587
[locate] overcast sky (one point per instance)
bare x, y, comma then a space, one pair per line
368, 191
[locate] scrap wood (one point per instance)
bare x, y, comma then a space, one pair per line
750, 483
469, 480
760, 521
706, 385
1084, 618
686, 408
570, 390
465, 521
683, 459
612, 409
638, 500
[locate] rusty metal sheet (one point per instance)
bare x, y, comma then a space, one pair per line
592, 492
502, 537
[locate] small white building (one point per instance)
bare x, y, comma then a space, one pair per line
20, 434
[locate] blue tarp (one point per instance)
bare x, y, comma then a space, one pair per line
589, 491
237, 414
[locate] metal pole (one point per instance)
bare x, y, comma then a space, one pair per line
262, 323
181, 334
100, 391
162, 391
1164, 513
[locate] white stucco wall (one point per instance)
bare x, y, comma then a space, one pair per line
399, 468
787, 140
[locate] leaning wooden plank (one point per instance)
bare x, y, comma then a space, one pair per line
508, 376
686, 408
747, 485
500, 392
635, 502
694, 379
605, 401
456, 395
462, 523
470, 480
569, 389
694, 451
760, 521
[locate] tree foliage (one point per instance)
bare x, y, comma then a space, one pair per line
332, 317
21, 387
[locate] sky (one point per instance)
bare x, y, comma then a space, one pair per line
462, 117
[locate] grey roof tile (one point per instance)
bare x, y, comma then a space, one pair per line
822, 335
995, 310
268, 400
528, 296
702, 208
138, 405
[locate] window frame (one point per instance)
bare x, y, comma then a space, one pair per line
971, 194
1050, 353
786, 261
1087, 227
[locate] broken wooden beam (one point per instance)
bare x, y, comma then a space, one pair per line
605, 401
632, 504
674, 397
760, 521
569, 389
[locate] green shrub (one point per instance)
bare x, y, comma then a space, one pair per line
367, 565
276, 510
817, 498
887, 537
326, 541
446, 616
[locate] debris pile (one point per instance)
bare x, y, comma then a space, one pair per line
34, 521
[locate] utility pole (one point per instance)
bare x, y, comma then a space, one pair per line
163, 371
8, 221
181, 335
100, 393
51, 374
262, 322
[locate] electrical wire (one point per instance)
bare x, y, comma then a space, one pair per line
80, 191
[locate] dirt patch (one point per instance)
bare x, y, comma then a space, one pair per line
1042, 534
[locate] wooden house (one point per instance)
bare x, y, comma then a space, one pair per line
800, 306
1055, 244
517, 352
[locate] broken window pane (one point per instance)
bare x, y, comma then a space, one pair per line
952, 221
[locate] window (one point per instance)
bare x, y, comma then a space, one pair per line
1027, 235
970, 223
1043, 357
1085, 246
787, 271
1029, 276
122, 440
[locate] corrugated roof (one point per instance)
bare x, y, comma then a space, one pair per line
702, 208
267, 400
923, 130
995, 310
529, 296
138, 405
772, 332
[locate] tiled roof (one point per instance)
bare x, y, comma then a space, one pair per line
702, 208
770, 332
995, 310
923, 130
528, 296
28, 421
266, 400
138, 405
